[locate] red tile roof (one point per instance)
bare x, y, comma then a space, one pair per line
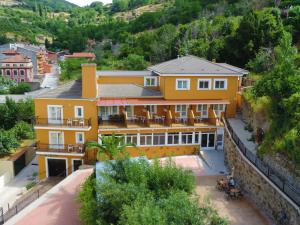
10, 52
16, 59
81, 55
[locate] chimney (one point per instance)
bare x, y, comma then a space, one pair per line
89, 81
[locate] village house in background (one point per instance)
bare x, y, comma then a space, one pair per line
81, 55
37, 54
173, 108
16, 66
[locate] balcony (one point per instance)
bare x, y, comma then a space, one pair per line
167, 119
63, 124
57, 148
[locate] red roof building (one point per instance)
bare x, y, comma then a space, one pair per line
87, 55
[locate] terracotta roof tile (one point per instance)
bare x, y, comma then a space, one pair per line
16, 59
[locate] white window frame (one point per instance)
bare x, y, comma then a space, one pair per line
183, 80
204, 80
202, 115
50, 120
151, 78
77, 137
63, 139
225, 84
159, 135
76, 112
152, 109
180, 111
207, 144
131, 136
146, 135
186, 134
173, 138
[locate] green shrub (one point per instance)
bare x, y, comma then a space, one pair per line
23, 130
21, 88
30, 185
8, 141
134, 192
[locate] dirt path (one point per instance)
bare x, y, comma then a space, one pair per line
238, 212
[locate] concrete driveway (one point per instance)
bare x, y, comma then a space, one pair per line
14, 189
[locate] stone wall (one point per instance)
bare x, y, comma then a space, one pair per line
256, 186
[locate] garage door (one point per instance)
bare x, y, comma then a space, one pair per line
19, 164
56, 167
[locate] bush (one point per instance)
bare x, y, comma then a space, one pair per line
134, 192
23, 130
8, 141
21, 88
30, 185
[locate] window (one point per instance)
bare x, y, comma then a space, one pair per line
204, 84
150, 81
182, 110
14, 65
173, 138
197, 136
21, 65
78, 111
56, 140
152, 109
8, 72
187, 138
145, 139
22, 80
55, 114
106, 111
131, 139
182, 84
220, 84
79, 136
203, 109
0, 72
7, 65
129, 109
219, 108
159, 139
15, 72
22, 73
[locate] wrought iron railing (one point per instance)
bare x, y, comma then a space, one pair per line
69, 122
283, 184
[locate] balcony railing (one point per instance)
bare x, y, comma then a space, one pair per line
78, 148
167, 120
70, 122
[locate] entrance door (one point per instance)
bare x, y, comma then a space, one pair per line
208, 140
76, 164
56, 140
55, 114
56, 167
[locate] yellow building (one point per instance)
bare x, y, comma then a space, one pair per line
173, 108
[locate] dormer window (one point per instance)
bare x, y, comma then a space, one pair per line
150, 81
182, 84
220, 84
204, 84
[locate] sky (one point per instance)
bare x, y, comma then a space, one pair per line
87, 2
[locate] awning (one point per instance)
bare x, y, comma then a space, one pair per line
147, 101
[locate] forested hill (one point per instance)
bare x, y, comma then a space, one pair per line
55, 5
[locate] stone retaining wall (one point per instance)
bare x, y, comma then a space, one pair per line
257, 187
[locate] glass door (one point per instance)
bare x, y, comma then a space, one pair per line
203, 109
56, 140
208, 140
182, 110
55, 114
129, 110
106, 111
219, 108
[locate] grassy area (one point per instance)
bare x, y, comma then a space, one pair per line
16, 151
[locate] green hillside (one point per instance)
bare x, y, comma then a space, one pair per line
55, 5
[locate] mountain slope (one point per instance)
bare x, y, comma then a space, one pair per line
56, 5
